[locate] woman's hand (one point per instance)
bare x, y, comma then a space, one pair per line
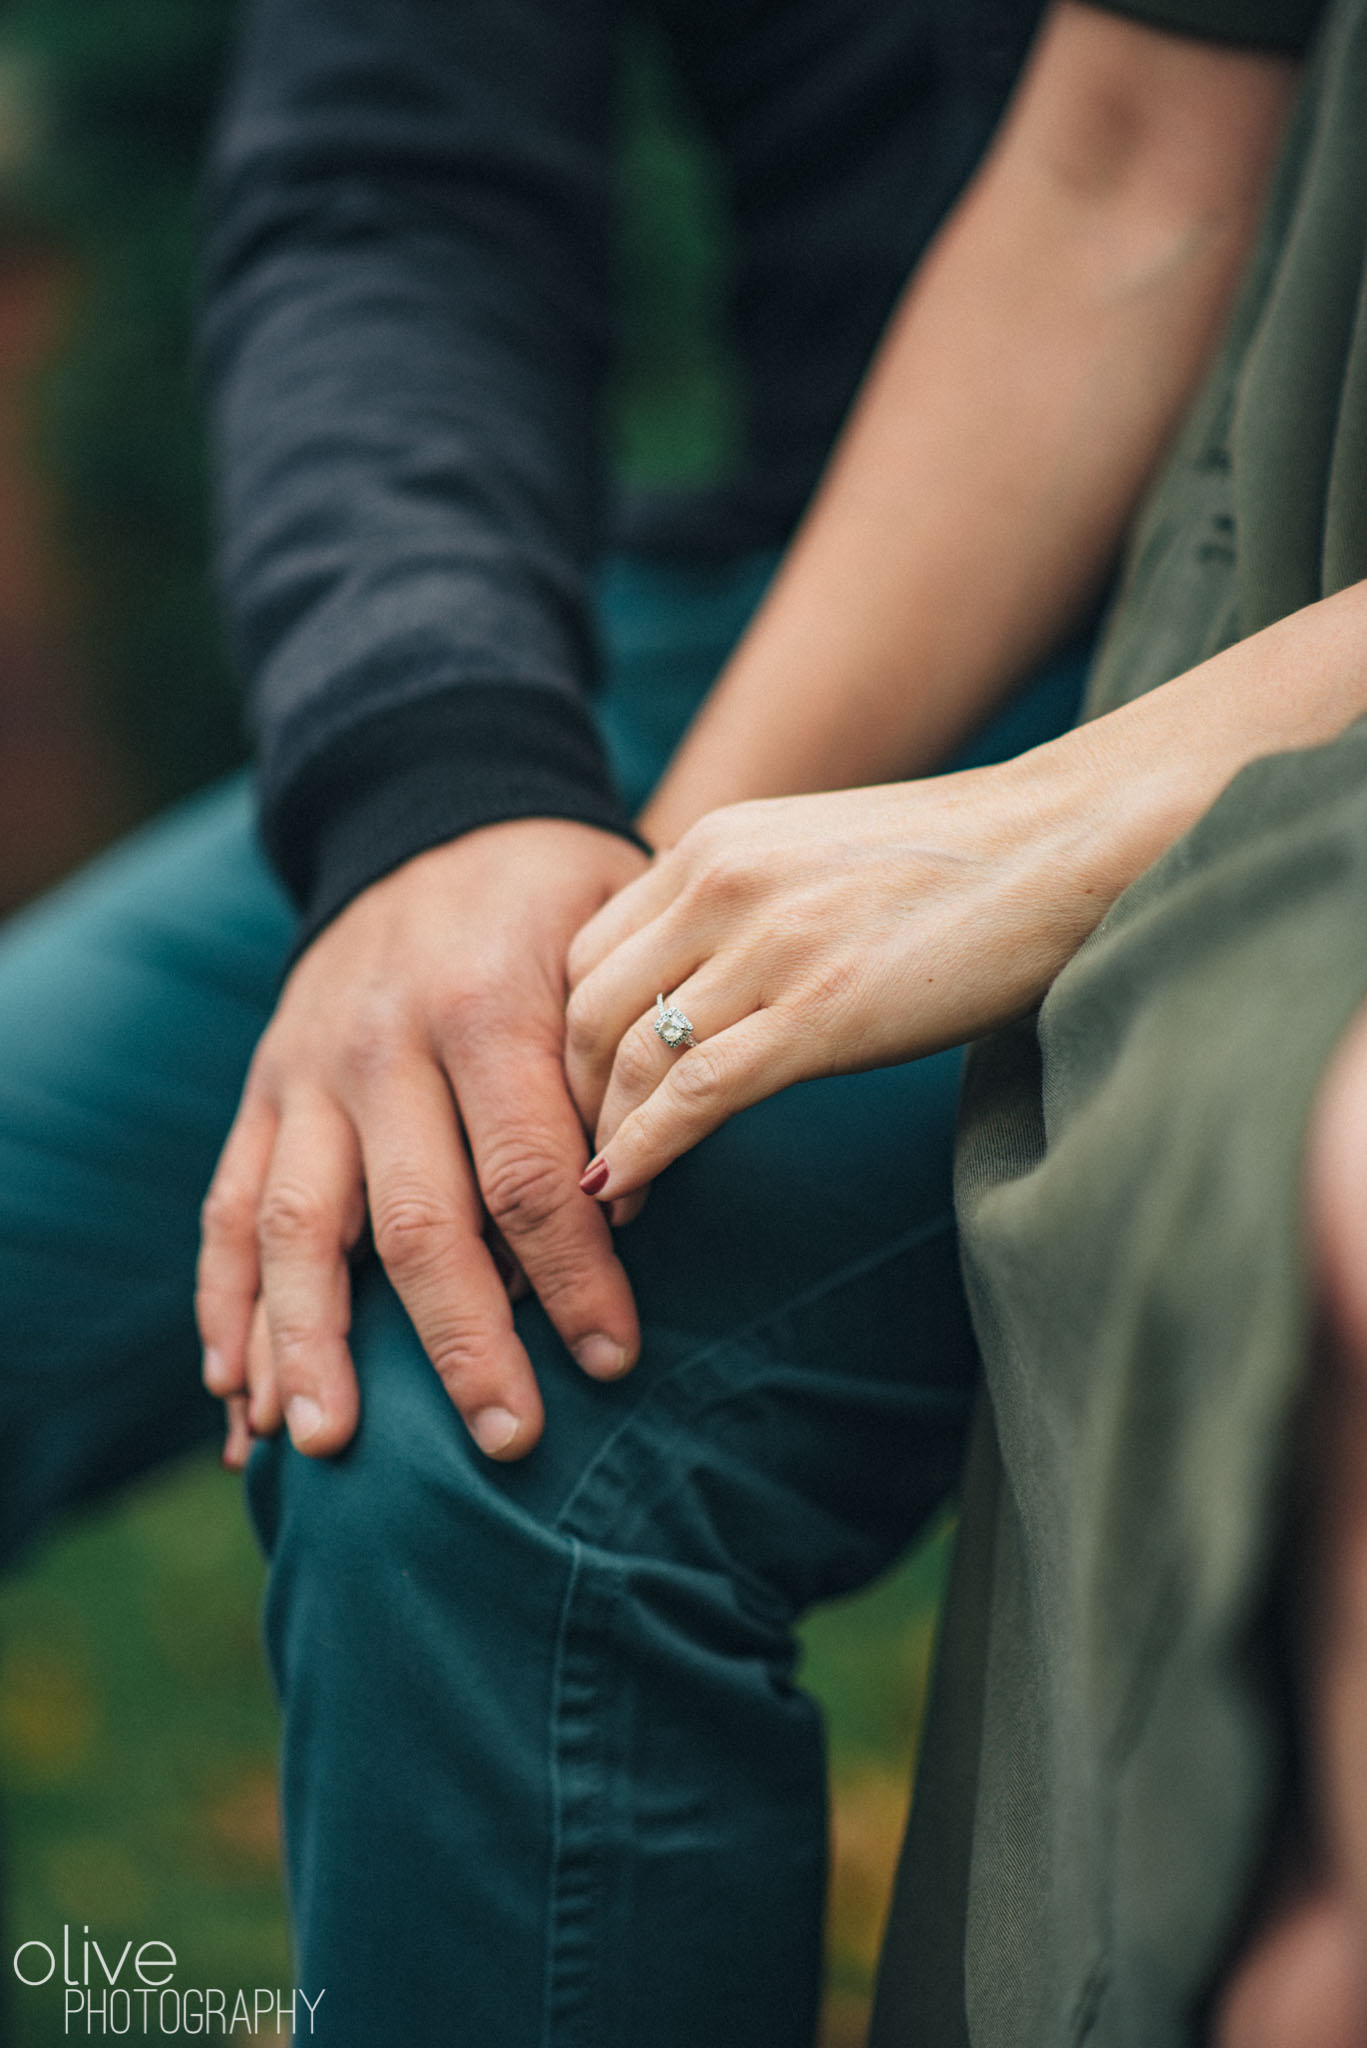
817, 935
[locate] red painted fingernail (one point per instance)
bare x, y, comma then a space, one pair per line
595, 1176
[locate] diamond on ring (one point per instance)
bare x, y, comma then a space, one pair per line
672, 1026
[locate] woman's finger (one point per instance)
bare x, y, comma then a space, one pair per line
644, 1058
621, 916
707, 1084
604, 1010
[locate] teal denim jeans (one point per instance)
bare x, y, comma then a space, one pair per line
548, 1779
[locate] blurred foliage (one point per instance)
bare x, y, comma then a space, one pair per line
125, 90
868, 1661
137, 1741
122, 94
676, 411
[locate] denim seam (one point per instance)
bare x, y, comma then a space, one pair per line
555, 1787
705, 1364
717, 1373
627, 1506
581, 1871
712, 1395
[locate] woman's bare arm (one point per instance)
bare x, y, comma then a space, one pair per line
818, 934
1027, 384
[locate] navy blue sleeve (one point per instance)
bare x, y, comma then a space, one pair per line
406, 335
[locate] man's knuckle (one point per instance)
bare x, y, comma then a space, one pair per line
523, 1189
292, 1344
228, 1212
460, 1350
291, 1217
410, 1230
470, 1015
373, 1038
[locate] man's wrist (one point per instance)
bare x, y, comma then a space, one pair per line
427, 774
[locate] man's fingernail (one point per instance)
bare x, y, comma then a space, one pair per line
216, 1377
305, 1419
493, 1429
602, 1357
595, 1176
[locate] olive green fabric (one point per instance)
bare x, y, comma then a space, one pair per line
1102, 1761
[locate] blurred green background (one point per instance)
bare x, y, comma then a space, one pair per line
136, 1727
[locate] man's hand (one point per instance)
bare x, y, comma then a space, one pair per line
413, 1071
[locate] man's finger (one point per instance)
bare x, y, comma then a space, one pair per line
305, 1222
237, 1441
509, 1272
265, 1414
228, 1275
428, 1224
529, 1151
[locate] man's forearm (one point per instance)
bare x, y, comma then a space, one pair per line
1029, 380
405, 341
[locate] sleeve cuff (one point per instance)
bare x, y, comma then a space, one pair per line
1286, 27
424, 773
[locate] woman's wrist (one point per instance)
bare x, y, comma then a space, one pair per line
1138, 778
1078, 819
1111, 796
1103, 814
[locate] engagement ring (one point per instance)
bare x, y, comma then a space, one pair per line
672, 1026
